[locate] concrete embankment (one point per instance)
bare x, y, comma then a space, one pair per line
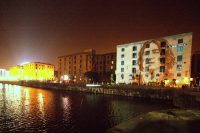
167, 121
179, 98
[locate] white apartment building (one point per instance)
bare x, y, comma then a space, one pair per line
166, 59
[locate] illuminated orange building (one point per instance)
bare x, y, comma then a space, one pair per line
32, 71
16, 72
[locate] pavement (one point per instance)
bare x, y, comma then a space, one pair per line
166, 121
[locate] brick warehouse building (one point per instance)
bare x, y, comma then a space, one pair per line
74, 66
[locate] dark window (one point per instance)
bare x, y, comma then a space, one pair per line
122, 56
147, 69
134, 55
134, 62
122, 62
179, 58
179, 67
162, 68
157, 75
122, 69
147, 45
162, 60
163, 44
122, 76
178, 74
134, 48
147, 60
147, 52
123, 49
162, 52
180, 40
133, 70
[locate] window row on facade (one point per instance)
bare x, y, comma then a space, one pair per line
162, 45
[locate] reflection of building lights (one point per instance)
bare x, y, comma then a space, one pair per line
41, 102
27, 100
177, 81
66, 107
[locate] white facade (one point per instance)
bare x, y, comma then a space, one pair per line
164, 59
4, 74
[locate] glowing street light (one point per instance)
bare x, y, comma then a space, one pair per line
65, 77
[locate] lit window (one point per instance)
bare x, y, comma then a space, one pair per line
111, 67
179, 67
162, 68
134, 62
179, 58
147, 53
122, 62
134, 48
134, 55
180, 48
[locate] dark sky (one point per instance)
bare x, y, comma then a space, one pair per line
42, 30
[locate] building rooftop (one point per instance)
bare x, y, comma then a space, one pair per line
141, 42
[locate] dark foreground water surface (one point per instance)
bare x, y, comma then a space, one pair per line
25, 109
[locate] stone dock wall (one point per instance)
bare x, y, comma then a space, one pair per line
179, 97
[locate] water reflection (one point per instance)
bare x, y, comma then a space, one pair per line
25, 109
66, 108
41, 103
26, 101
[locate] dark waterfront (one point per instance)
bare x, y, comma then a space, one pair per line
25, 109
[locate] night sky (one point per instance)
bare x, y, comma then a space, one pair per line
42, 30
